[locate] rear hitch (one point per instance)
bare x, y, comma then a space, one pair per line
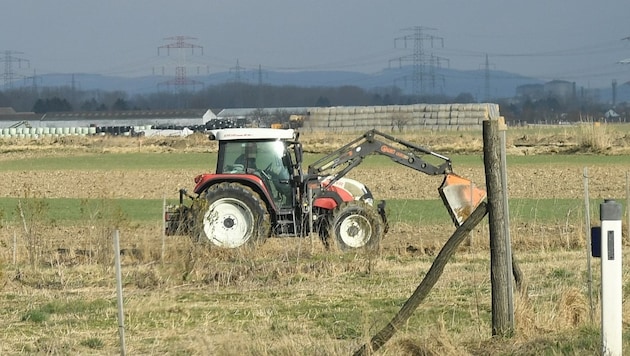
183, 193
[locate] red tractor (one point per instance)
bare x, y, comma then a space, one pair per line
260, 190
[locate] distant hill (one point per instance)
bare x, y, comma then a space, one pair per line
450, 82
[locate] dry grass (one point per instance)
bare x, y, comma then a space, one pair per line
290, 296
595, 137
101, 144
587, 137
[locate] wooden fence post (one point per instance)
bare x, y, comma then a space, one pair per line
423, 289
119, 294
502, 321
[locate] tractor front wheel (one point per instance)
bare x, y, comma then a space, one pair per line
356, 225
235, 216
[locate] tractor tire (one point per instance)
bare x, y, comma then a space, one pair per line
355, 225
235, 216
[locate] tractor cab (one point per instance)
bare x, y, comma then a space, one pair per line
264, 153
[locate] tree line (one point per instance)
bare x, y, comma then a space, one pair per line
244, 95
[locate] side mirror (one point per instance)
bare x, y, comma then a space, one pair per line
298, 153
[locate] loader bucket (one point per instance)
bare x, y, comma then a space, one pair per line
460, 196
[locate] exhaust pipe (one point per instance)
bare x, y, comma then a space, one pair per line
460, 196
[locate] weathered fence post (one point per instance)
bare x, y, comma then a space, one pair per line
628, 202
163, 229
587, 219
502, 321
506, 217
119, 294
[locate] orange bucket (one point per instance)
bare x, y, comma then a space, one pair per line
460, 196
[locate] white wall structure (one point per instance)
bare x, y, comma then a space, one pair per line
33, 126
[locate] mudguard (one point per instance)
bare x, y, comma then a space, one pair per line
347, 189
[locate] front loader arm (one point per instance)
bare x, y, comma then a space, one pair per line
460, 195
338, 163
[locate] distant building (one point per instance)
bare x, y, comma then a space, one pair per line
9, 118
560, 89
531, 91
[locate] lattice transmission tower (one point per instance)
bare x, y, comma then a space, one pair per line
181, 80
9, 75
425, 64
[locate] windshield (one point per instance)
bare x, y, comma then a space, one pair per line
266, 159
238, 156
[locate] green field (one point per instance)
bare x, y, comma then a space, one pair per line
412, 212
207, 161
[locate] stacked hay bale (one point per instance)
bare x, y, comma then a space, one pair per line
438, 117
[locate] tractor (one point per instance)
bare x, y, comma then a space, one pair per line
260, 190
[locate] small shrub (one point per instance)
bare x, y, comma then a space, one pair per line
561, 273
93, 343
103, 216
33, 212
36, 316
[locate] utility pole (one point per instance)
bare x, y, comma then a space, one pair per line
623, 61
237, 69
179, 43
9, 59
486, 70
435, 63
34, 79
73, 87
261, 100
423, 62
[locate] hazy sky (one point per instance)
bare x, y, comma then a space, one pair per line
576, 40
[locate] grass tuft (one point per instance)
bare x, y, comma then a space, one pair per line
594, 137
93, 343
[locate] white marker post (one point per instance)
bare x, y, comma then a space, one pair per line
610, 215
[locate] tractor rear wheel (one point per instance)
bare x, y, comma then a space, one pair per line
235, 216
355, 225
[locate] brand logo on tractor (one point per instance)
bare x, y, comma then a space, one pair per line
393, 151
